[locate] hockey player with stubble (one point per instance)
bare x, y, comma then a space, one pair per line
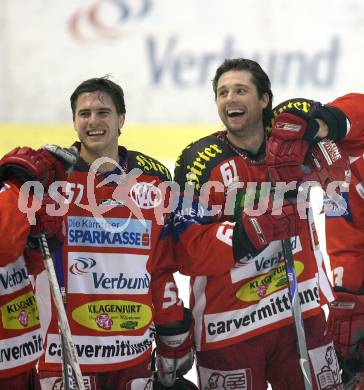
117, 261
244, 334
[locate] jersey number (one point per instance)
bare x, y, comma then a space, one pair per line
170, 295
338, 276
72, 190
229, 172
225, 232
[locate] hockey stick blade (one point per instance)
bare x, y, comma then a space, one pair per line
72, 376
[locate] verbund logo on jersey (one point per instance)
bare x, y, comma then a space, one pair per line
262, 263
82, 265
127, 233
106, 273
13, 277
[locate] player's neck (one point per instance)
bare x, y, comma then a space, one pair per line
89, 156
251, 143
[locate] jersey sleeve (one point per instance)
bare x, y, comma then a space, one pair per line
203, 245
167, 304
14, 226
345, 235
352, 105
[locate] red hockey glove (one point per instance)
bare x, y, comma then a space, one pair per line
34, 260
48, 224
292, 133
66, 156
253, 233
346, 326
45, 165
327, 162
175, 354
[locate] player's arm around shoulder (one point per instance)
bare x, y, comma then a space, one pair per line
351, 106
203, 244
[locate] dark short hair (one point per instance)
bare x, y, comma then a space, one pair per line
259, 78
102, 84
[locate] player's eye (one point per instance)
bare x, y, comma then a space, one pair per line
241, 91
103, 113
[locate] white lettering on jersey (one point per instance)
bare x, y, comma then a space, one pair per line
74, 190
146, 195
225, 232
229, 172
170, 295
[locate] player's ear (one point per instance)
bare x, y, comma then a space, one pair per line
121, 121
265, 100
74, 124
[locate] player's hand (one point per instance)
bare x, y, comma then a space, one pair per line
66, 156
253, 233
43, 165
175, 354
48, 224
52, 227
345, 325
292, 133
327, 162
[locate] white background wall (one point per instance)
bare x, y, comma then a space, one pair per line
165, 52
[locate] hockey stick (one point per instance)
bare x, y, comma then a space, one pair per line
72, 376
296, 312
356, 383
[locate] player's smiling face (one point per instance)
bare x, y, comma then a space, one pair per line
238, 103
97, 123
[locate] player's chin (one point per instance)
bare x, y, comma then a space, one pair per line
235, 128
235, 123
95, 145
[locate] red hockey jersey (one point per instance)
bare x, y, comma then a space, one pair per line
345, 228
21, 342
230, 302
117, 265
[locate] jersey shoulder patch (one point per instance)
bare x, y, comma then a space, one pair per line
148, 165
196, 161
